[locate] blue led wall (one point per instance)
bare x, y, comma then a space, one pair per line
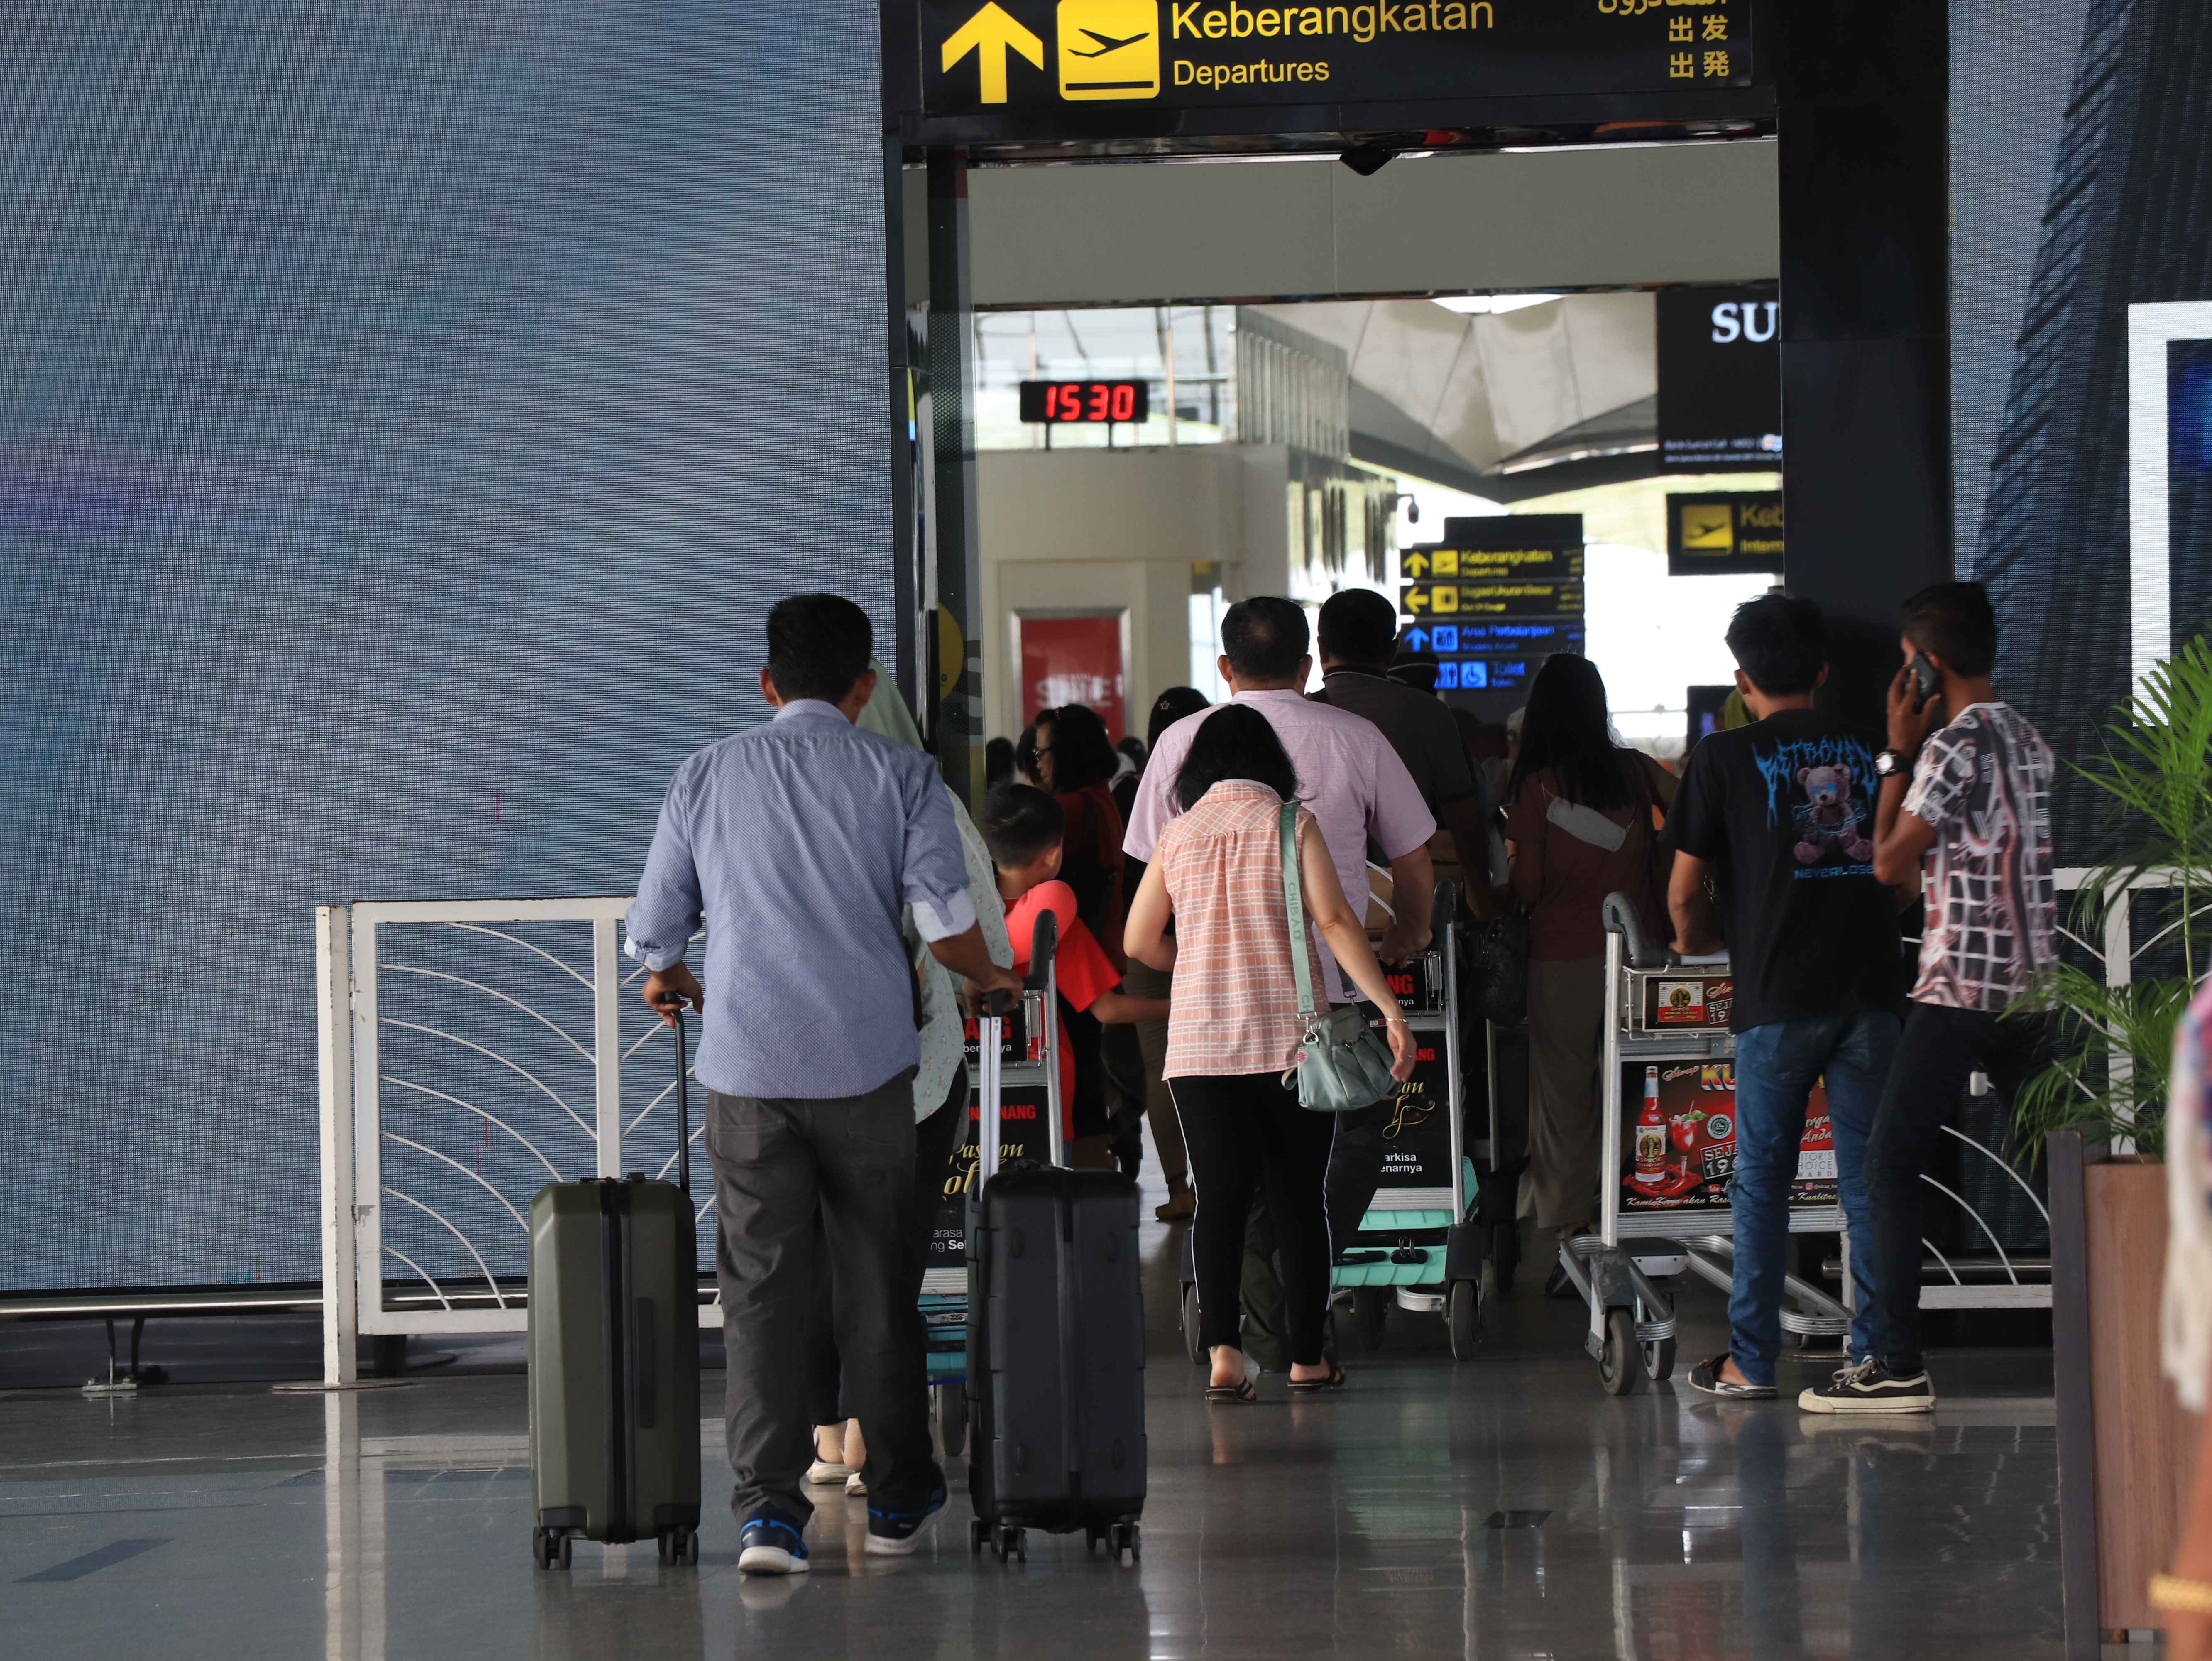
411, 411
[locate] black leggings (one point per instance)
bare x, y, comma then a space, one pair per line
1246, 1133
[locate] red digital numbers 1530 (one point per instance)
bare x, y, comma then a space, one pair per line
1090, 400
1061, 401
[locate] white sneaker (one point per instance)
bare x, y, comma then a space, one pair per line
855, 1485
823, 1472
1871, 1387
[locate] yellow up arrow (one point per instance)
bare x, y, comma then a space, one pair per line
1416, 566
990, 34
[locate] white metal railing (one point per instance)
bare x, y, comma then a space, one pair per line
470, 1051
2115, 952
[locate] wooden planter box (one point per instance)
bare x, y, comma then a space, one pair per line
2126, 1449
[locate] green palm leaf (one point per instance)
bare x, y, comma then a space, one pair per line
2114, 1044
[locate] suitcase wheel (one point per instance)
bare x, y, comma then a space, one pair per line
541, 1548
979, 1534
568, 1551
1122, 1539
679, 1546
1010, 1541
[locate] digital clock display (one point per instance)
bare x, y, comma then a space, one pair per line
1061, 402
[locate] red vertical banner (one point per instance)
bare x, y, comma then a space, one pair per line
1075, 661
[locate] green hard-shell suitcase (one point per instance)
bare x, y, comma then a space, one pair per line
614, 1359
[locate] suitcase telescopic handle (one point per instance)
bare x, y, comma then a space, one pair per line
993, 1009
682, 1111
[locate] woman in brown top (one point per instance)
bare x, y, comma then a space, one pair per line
1579, 821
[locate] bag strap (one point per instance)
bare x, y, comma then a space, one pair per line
1294, 907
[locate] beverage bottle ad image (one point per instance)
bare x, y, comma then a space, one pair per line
1650, 1134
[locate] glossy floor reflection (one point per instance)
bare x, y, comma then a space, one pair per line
1499, 1508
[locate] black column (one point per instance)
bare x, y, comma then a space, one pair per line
909, 656
1864, 111
953, 563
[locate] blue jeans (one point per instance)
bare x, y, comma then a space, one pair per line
1776, 1066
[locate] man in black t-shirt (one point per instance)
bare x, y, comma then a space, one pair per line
1784, 809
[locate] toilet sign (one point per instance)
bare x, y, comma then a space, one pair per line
1016, 56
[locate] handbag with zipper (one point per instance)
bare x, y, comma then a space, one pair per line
1343, 1064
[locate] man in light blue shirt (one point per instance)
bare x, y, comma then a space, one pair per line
798, 843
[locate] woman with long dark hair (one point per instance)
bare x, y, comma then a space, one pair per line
1579, 819
1235, 1027
1143, 981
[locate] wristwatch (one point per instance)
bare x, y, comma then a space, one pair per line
1887, 763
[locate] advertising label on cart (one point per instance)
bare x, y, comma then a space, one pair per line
1680, 1143
1417, 1132
1690, 1000
1419, 983
1022, 1135
1013, 1036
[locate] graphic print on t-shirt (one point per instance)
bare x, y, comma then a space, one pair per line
1819, 788
1784, 809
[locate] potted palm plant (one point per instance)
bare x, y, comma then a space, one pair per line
2099, 1111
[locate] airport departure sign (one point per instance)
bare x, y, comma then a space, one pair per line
1005, 56
1447, 599
1495, 598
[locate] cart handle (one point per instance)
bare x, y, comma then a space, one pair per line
1622, 918
1044, 941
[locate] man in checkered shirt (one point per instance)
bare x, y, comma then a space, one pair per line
1970, 811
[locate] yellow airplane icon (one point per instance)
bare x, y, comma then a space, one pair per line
1108, 49
1709, 526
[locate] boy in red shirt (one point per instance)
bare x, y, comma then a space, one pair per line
1023, 827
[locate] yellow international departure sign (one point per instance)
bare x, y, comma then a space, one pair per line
1196, 53
1737, 534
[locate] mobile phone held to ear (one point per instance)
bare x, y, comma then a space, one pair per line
1925, 680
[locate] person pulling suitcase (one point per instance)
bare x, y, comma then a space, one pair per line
798, 843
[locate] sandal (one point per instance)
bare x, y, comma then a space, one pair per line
1308, 1386
1243, 1391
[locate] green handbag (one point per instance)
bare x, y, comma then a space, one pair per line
1343, 1064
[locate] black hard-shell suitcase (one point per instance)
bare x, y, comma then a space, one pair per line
1055, 1349
614, 1359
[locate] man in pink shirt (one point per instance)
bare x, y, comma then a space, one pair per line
1359, 791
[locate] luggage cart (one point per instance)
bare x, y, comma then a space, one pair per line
1661, 1010
1418, 1246
1028, 1064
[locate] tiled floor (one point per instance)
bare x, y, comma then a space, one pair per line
1498, 1508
